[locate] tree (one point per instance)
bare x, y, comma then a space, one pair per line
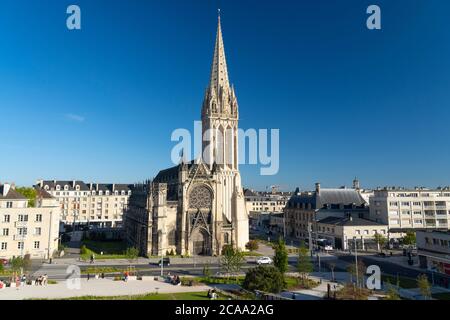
280, 260
361, 273
29, 193
132, 254
392, 293
380, 240
19, 264
304, 264
424, 286
206, 271
252, 245
264, 278
409, 239
231, 259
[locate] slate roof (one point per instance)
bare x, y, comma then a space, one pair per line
354, 222
328, 197
85, 186
11, 195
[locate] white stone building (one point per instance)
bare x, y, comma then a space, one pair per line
27, 230
96, 204
411, 209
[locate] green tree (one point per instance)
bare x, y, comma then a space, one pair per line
19, 264
131, 254
264, 278
280, 260
252, 245
206, 271
231, 259
29, 193
361, 273
304, 264
409, 239
392, 293
424, 286
380, 240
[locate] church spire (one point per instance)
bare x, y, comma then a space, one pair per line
219, 73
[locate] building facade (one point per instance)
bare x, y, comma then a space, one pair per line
256, 201
345, 233
305, 209
26, 230
95, 204
433, 250
411, 209
198, 206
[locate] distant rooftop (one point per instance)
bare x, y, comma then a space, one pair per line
349, 221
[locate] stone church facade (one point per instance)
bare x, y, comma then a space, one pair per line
196, 207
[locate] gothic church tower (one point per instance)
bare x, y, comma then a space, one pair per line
220, 143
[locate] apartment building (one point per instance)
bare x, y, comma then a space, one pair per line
94, 204
411, 209
27, 230
305, 209
266, 201
433, 250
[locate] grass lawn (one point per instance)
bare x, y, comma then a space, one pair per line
154, 296
406, 283
442, 296
110, 249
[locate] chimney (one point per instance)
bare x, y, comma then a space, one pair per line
318, 187
73, 184
113, 187
6, 188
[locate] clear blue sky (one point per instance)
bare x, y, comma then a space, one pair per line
100, 104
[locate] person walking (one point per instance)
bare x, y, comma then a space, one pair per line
88, 276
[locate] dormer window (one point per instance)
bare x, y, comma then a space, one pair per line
100, 193
66, 187
46, 187
77, 188
107, 193
93, 193
116, 192
58, 187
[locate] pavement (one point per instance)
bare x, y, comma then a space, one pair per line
94, 287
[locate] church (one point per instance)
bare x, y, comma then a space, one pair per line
196, 207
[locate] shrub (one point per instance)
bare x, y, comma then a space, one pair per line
252, 245
264, 278
83, 249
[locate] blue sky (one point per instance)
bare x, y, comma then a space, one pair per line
100, 104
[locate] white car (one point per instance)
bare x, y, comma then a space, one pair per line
264, 260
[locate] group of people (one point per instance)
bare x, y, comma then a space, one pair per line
23, 280
96, 276
212, 294
175, 280
42, 280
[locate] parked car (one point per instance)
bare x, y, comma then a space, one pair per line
264, 260
165, 261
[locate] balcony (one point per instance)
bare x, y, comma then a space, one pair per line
19, 237
19, 224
